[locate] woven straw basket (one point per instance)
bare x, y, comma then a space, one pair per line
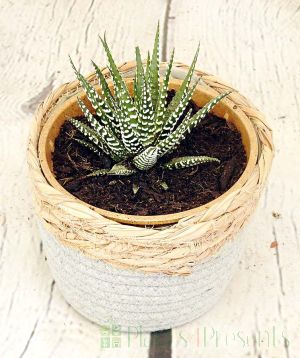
114, 269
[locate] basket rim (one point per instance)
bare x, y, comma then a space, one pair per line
149, 220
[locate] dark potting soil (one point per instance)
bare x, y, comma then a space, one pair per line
187, 188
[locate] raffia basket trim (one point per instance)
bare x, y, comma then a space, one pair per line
172, 249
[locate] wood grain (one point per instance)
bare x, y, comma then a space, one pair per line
36, 38
161, 344
252, 44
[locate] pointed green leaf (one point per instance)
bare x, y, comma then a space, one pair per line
185, 162
101, 108
197, 117
154, 69
136, 95
172, 141
168, 144
104, 86
115, 73
139, 76
90, 118
147, 66
184, 88
135, 188
117, 169
105, 133
146, 124
127, 112
89, 145
96, 173
121, 169
92, 135
162, 100
171, 122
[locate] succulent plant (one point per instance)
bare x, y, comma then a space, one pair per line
137, 131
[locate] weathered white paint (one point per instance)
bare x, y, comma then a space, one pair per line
252, 44
36, 37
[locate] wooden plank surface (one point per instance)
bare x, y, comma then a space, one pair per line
36, 38
252, 44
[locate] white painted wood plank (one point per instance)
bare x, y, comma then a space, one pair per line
253, 45
36, 37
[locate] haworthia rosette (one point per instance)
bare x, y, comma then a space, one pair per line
143, 129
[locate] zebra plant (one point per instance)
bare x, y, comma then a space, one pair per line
136, 132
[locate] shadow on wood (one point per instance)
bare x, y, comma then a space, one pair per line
161, 344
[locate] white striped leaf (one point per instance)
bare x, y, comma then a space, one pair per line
184, 88
117, 169
147, 66
94, 137
172, 141
121, 169
139, 77
89, 145
171, 122
128, 115
100, 106
162, 99
129, 139
168, 144
97, 173
147, 159
146, 123
113, 143
197, 117
104, 86
190, 161
154, 69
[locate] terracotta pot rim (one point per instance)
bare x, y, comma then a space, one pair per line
164, 219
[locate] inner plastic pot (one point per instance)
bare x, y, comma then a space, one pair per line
225, 109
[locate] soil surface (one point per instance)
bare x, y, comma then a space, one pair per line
186, 188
